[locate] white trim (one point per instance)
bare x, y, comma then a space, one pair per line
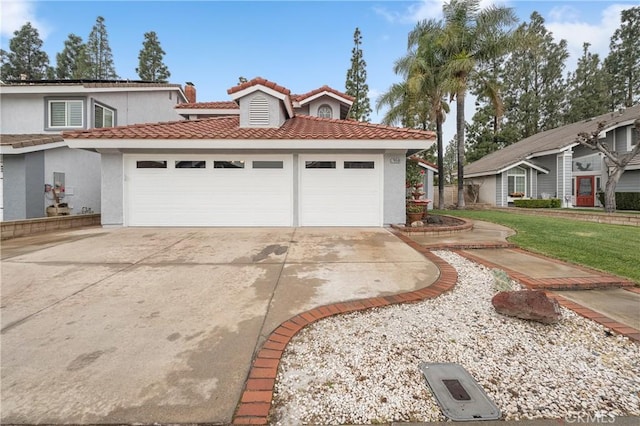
504, 169
324, 93
259, 87
8, 149
424, 166
630, 139
552, 151
606, 130
263, 144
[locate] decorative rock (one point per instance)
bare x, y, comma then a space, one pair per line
417, 224
527, 304
434, 219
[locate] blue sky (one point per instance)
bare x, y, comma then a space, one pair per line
298, 44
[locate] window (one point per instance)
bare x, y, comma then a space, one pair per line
320, 164
268, 165
359, 164
190, 164
325, 111
151, 164
632, 138
103, 116
228, 164
65, 113
516, 181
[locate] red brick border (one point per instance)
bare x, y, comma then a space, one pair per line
614, 325
255, 403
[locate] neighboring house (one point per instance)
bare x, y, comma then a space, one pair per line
32, 152
552, 164
264, 165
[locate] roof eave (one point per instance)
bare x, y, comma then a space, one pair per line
262, 144
9, 149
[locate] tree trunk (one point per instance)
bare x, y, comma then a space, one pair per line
615, 173
440, 164
460, 129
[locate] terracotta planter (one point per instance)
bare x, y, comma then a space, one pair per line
412, 217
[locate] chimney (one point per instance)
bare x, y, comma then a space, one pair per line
190, 92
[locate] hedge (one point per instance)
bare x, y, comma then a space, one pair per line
551, 203
624, 200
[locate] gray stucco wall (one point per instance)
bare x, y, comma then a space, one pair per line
112, 196
14, 186
325, 100
276, 112
394, 188
82, 176
25, 113
34, 184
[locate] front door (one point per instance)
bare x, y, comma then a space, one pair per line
586, 193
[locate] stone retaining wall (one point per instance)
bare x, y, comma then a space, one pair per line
613, 219
21, 228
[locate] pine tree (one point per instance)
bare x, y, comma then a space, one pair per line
588, 94
73, 62
623, 62
100, 56
356, 84
534, 87
26, 59
151, 67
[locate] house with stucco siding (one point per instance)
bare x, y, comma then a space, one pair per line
33, 154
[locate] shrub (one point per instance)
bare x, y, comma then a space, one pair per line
624, 200
551, 203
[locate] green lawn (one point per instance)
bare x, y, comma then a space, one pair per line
610, 248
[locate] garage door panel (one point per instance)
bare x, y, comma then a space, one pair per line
340, 196
209, 197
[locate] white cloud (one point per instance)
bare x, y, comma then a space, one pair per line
423, 9
16, 13
575, 32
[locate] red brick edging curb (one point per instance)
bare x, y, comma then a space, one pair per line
255, 403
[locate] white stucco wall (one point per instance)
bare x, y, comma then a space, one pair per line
324, 100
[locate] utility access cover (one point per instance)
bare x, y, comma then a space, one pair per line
458, 394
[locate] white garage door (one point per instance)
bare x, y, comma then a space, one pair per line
208, 190
340, 190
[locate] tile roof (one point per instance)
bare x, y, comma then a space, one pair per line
209, 105
23, 141
262, 81
424, 162
217, 128
324, 88
550, 140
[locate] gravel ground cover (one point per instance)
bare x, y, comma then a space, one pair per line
362, 368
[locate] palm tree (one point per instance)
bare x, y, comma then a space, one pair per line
418, 101
468, 39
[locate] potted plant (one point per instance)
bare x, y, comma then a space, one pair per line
415, 212
58, 208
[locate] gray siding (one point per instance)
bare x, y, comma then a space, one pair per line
565, 178
547, 182
34, 184
82, 176
394, 188
14, 186
582, 151
112, 197
629, 182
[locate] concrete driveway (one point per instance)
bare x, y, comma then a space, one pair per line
143, 325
